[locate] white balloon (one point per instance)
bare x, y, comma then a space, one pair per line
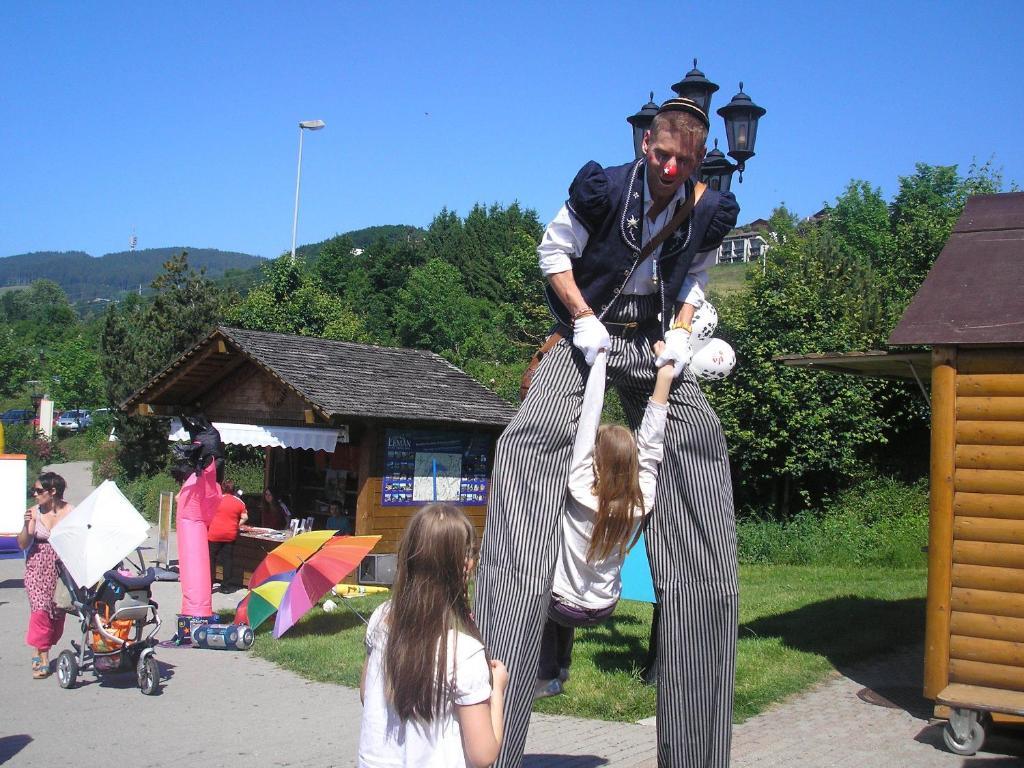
703, 325
715, 360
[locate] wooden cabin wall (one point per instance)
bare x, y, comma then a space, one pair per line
372, 517
249, 391
975, 633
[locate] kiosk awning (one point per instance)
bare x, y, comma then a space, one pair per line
877, 364
267, 436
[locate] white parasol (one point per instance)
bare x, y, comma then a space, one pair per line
98, 534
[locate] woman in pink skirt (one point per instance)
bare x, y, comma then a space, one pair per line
46, 621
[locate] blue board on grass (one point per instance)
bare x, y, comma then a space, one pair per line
636, 574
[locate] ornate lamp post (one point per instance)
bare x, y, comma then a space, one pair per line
741, 116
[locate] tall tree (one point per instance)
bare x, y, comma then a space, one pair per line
140, 339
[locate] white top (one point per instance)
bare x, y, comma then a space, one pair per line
384, 740
597, 585
565, 238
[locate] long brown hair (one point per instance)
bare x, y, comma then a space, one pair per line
428, 599
617, 486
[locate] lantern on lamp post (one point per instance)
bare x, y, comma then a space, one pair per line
716, 171
641, 123
696, 88
740, 115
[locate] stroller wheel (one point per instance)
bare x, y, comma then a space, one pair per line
67, 669
148, 674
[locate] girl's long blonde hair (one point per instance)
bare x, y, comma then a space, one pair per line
428, 599
617, 487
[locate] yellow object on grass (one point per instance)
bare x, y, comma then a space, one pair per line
357, 590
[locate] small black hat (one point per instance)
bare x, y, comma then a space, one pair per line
679, 104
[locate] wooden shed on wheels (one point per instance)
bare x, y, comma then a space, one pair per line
371, 432
970, 311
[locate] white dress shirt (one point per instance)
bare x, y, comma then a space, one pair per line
577, 581
565, 238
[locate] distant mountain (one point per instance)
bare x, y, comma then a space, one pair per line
84, 278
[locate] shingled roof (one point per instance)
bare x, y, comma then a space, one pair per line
359, 380
974, 293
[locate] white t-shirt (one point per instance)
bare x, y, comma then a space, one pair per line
577, 581
385, 740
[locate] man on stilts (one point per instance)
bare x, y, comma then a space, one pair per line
608, 291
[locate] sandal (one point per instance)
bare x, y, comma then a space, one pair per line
40, 671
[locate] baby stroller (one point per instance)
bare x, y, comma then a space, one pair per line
119, 622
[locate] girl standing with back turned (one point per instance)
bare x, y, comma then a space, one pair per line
430, 695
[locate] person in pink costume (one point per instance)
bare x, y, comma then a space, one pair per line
197, 503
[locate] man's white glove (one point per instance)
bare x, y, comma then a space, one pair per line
677, 350
590, 336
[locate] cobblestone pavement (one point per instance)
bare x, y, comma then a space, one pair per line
833, 726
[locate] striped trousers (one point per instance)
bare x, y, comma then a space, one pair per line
691, 544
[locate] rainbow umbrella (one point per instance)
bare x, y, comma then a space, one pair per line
309, 560
314, 577
263, 600
281, 560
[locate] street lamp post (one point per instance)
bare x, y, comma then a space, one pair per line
305, 125
740, 115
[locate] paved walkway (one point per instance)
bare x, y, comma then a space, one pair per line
219, 708
836, 725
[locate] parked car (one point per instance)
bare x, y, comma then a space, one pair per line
74, 420
17, 416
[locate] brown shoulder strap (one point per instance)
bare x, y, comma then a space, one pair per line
676, 221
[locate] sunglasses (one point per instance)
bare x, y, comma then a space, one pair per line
37, 491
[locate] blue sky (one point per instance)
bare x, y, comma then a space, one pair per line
180, 119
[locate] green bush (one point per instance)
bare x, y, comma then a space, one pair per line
144, 493
880, 522
38, 449
246, 475
105, 465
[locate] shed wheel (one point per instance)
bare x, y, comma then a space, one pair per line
67, 669
965, 731
148, 673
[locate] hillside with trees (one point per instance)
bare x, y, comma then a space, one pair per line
83, 277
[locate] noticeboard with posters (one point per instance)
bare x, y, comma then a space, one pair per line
423, 465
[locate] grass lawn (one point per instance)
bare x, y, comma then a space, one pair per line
726, 279
797, 624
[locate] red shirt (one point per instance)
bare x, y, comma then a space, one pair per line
224, 526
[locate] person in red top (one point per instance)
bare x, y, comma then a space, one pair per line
230, 514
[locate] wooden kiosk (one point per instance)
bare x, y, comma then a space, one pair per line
373, 431
970, 310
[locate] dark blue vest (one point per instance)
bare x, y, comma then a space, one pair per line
609, 203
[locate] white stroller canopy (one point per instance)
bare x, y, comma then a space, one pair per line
98, 534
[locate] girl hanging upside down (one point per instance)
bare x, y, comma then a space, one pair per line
612, 481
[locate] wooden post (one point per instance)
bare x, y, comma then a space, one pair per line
368, 446
940, 529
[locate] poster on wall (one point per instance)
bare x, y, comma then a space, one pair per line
422, 465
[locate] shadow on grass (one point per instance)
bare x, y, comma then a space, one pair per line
319, 623
845, 629
622, 649
876, 643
